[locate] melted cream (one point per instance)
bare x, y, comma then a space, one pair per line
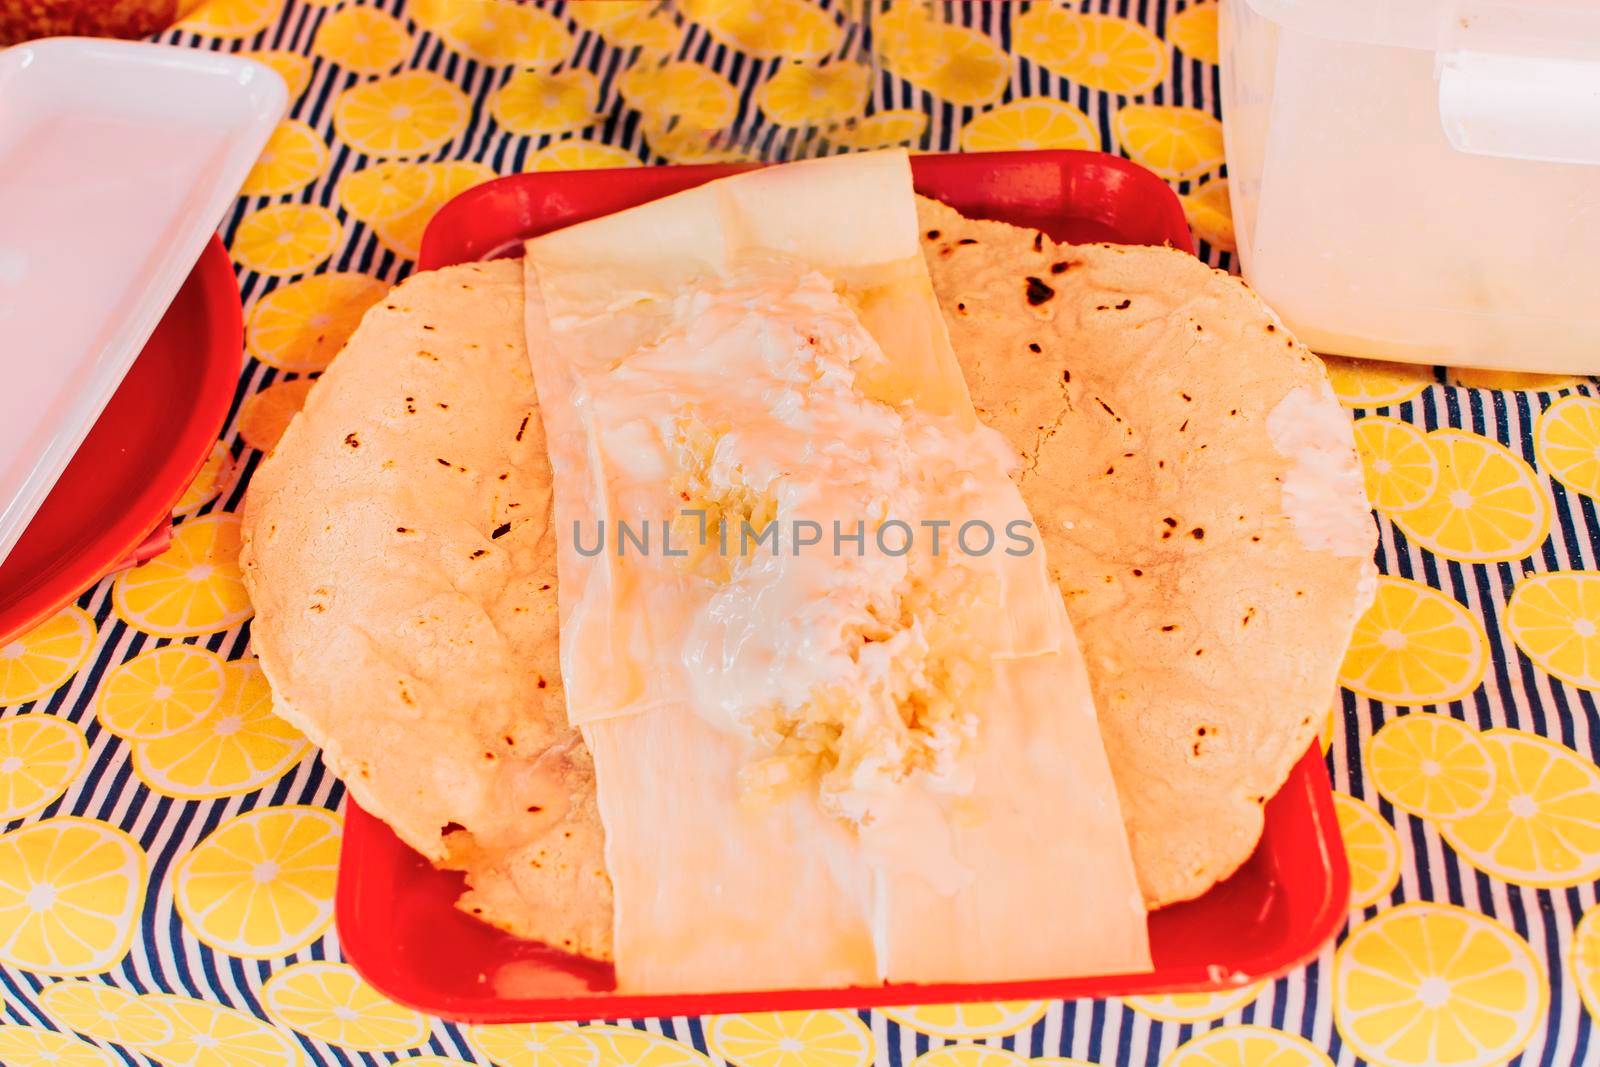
1312, 431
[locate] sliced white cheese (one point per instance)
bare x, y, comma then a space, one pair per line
778, 329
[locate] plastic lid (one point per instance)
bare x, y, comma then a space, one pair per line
1557, 29
117, 160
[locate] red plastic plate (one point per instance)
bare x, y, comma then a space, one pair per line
114, 499
397, 921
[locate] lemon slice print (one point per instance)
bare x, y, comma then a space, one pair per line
363, 40
534, 1045
1585, 957
1510, 381
1433, 985
1193, 31
40, 755
1195, 1007
792, 1039
1032, 122
193, 587
292, 67
261, 885
1566, 440
211, 1035
1369, 384
1104, 52
385, 191
208, 482
969, 1056
411, 113
105, 1012
264, 416
533, 102
1541, 825
683, 143
27, 1046
231, 18
1245, 1045
286, 239
766, 29
158, 693
1415, 646
330, 1002
580, 155
1371, 846
293, 157
1431, 766
41, 660
1210, 215
623, 1046
1554, 619
973, 71
496, 32
237, 748
628, 24
695, 95
1488, 506
882, 130
970, 1021
1401, 469
800, 94
301, 326
1177, 143
403, 233
70, 894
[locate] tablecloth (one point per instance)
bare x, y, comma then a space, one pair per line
167, 868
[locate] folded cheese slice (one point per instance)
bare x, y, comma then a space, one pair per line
815, 767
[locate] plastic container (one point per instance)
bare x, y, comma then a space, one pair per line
117, 161
397, 922
1419, 180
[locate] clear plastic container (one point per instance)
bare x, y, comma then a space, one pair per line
1419, 180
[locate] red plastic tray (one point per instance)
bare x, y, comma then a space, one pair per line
111, 507
397, 923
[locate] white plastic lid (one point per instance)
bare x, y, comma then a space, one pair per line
1557, 29
117, 161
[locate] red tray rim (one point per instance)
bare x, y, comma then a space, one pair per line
168, 475
1307, 783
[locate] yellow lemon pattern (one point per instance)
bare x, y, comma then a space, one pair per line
1415, 646
792, 1039
330, 1002
237, 747
1487, 505
1032, 122
105, 1012
286, 239
533, 102
1432, 985
1432, 766
1372, 849
43, 659
70, 893
1195, 1007
261, 885
363, 40
1541, 824
27, 1046
1247, 1046
301, 326
209, 481
193, 587
138, 712
970, 1022
1567, 442
1554, 619
409, 114
40, 755
535, 1045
